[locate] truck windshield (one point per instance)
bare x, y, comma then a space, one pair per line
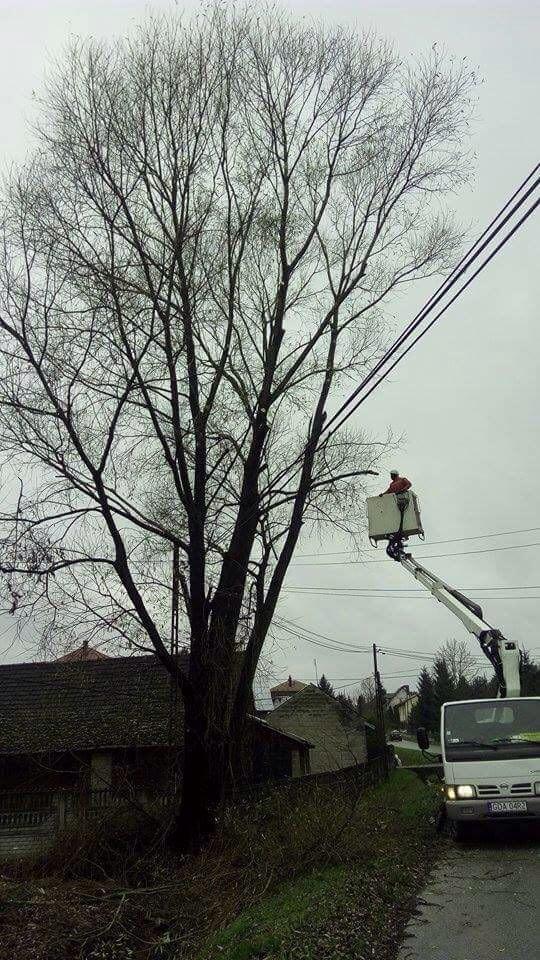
508, 728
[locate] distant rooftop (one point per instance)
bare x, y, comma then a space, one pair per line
288, 686
84, 652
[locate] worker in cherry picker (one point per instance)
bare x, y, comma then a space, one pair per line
397, 484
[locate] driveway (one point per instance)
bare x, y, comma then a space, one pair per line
481, 902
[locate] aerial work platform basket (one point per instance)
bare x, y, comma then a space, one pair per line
384, 516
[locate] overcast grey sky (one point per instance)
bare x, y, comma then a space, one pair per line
466, 398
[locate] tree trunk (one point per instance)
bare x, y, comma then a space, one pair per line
203, 780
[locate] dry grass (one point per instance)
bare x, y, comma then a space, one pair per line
114, 892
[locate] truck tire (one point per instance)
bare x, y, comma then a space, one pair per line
462, 831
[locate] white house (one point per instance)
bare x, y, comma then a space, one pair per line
403, 701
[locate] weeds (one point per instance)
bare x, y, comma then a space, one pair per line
286, 856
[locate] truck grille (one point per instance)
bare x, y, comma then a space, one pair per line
515, 790
521, 789
487, 790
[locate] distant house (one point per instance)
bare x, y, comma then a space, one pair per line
394, 699
402, 702
337, 732
405, 708
285, 690
96, 723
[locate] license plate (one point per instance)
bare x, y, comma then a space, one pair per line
507, 806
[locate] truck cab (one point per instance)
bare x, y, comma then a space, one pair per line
491, 758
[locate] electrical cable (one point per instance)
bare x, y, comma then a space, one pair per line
321, 636
421, 556
383, 590
461, 267
426, 543
375, 596
351, 648
483, 265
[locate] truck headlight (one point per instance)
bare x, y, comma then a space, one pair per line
465, 791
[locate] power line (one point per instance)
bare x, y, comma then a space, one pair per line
421, 556
483, 241
364, 595
388, 650
400, 590
328, 646
430, 543
412, 657
337, 647
346, 407
321, 636
383, 590
376, 596
461, 267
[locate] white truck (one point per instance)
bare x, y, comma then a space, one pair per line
490, 748
491, 759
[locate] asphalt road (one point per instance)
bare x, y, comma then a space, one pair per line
409, 744
482, 901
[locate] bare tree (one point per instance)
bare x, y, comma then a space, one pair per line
459, 659
194, 263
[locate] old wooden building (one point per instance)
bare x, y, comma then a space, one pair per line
111, 723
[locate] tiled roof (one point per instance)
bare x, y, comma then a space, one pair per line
88, 704
80, 704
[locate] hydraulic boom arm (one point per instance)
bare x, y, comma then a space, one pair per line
503, 654
385, 512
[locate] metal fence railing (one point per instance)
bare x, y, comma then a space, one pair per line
29, 799
24, 819
34, 808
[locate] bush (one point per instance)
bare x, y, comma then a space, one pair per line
122, 844
335, 843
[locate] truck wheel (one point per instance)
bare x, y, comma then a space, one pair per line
462, 831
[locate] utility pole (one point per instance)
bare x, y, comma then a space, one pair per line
379, 708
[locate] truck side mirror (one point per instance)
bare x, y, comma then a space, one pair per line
422, 738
